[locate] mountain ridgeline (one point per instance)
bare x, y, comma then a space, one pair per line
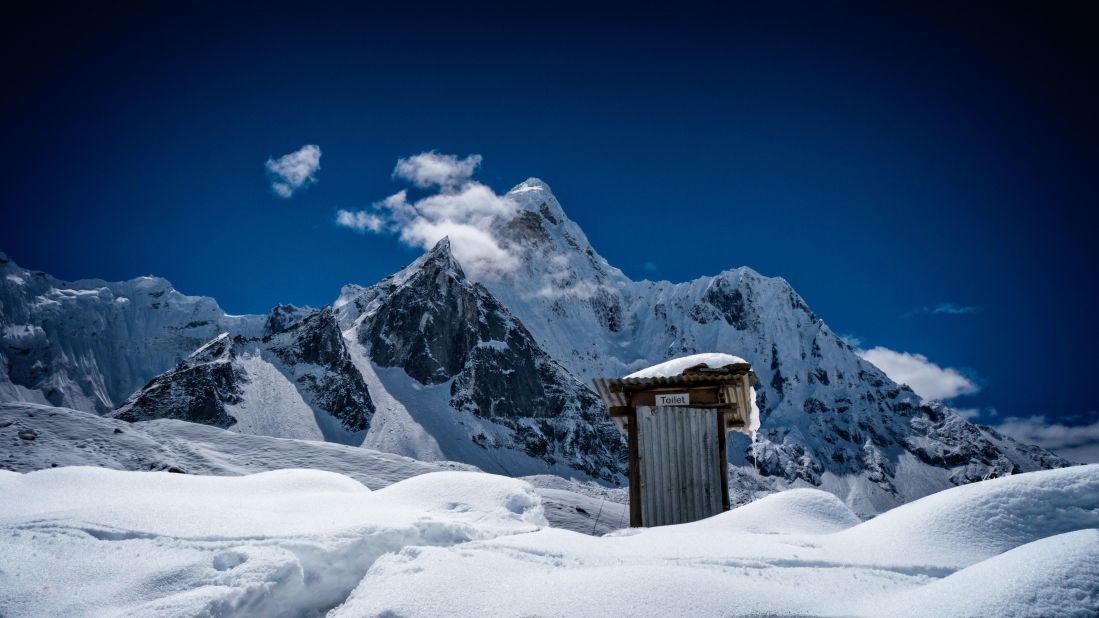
493, 372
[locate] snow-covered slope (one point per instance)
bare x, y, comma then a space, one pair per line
958, 553
89, 541
828, 418
65, 437
89, 344
53, 437
298, 542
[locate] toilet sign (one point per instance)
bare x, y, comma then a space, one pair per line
672, 399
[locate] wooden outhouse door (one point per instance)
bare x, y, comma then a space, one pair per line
680, 453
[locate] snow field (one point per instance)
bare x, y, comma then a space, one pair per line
90, 541
73, 438
271, 404
1054, 576
798, 553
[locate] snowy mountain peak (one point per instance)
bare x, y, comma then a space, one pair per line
532, 185
506, 405
555, 259
283, 317
441, 257
443, 246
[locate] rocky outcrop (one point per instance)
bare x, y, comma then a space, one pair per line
313, 350
198, 390
212, 386
441, 328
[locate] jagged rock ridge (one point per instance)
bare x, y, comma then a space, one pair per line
215, 384
443, 330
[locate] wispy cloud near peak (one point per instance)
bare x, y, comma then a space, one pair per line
942, 309
359, 220
459, 207
927, 379
432, 169
1079, 442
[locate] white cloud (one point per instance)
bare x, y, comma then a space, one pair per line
1078, 443
943, 309
974, 415
852, 340
359, 220
968, 414
294, 171
431, 169
460, 208
927, 379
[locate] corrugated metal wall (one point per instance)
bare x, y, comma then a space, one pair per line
679, 462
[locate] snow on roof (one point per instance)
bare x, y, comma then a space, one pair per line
712, 360
676, 366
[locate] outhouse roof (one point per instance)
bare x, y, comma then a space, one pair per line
612, 390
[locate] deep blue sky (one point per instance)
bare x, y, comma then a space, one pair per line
879, 159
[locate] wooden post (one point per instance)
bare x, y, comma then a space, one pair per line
723, 458
635, 469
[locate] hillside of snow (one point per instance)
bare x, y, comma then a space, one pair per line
35, 437
294, 542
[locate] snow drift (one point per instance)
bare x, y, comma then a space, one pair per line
761, 560
64, 437
80, 541
296, 542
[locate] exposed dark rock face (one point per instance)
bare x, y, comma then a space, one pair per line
544, 209
310, 352
315, 346
438, 326
729, 301
197, 390
608, 309
283, 317
429, 325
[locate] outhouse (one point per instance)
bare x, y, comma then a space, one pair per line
676, 426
